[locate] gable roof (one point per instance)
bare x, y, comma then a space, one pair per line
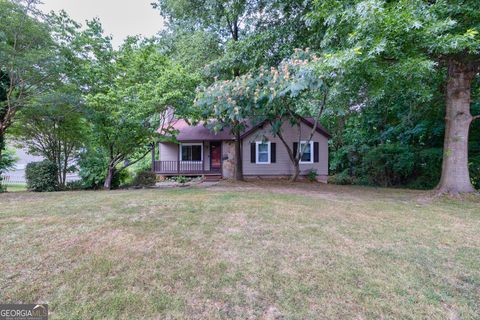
308, 121
198, 132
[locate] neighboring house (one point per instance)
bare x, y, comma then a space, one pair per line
200, 151
16, 175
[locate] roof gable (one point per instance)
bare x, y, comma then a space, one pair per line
308, 121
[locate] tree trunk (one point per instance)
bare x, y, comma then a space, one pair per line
238, 158
296, 172
455, 175
108, 180
64, 170
2, 147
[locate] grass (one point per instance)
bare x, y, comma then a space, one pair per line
15, 187
242, 251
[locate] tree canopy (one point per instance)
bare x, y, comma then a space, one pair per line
395, 82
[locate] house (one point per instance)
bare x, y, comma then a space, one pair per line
200, 151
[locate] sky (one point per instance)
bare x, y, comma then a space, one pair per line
120, 18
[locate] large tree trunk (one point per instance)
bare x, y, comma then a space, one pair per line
108, 180
455, 175
238, 158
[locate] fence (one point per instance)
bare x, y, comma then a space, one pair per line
6, 180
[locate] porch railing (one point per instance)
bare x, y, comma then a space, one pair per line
178, 167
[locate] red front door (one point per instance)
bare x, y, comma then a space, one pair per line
215, 156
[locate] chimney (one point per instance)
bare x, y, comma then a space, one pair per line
169, 114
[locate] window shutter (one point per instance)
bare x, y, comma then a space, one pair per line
316, 152
273, 150
253, 156
295, 148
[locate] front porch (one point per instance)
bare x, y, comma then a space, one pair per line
188, 158
186, 168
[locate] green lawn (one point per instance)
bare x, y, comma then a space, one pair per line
15, 187
242, 251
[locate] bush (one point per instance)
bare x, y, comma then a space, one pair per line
93, 166
428, 168
75, 185
342, 178
181, 179
312, 175
93, 171
42, 176
388, 165
145, 178
7, 161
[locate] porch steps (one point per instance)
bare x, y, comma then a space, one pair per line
212, 177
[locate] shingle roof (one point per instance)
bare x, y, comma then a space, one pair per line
199, 132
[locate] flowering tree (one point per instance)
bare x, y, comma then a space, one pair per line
230, 104
295, 89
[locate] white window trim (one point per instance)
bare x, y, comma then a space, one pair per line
311, 151
269, 152
190, 144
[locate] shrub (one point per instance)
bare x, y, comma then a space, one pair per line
145, 178
75, 185
428, 167
342, 178
7, 161
312, 175
93, 166
388, 164
93, 171
42, 176
181, 179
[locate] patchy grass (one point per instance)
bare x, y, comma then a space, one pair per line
244, 251
15, 187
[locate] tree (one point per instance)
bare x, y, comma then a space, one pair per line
53, 127
225, 18
285, 94
26, 59
193, 49
124, 115
4, 84
230, 103
250, 32
414, 38
296, 89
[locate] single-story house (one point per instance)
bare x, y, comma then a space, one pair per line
200, 151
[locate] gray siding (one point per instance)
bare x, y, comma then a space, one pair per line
283, 165
169, 151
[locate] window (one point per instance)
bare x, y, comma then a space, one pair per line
191, 152
263, 152
307, 156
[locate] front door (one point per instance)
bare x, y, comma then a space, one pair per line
215, 156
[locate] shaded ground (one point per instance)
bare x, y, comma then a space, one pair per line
243, 251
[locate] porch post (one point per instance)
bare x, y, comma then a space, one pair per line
178, 159
153, 157
203, 156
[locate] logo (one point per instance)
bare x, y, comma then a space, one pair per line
23, 312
